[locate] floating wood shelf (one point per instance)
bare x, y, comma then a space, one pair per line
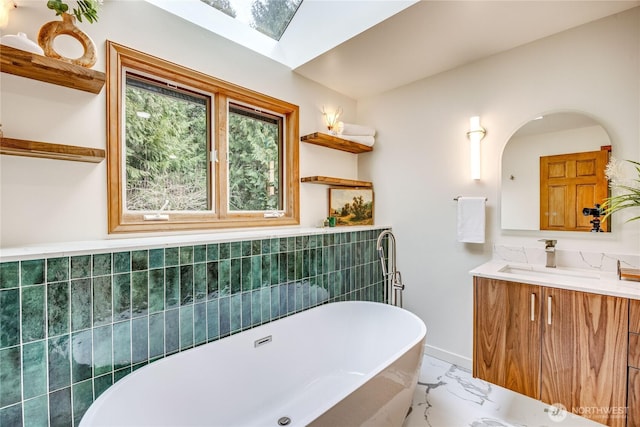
20, 147
338, 182
336, 143
50, 70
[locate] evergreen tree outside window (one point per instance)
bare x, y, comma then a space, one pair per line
167, 146
254, 160
270, 17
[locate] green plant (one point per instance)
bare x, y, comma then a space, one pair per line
85, 8
628, 190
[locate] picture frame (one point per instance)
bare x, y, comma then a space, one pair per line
351, 206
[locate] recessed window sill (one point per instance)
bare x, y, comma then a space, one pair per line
53, 250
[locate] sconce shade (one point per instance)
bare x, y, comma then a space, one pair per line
475, 134
475, 158
331, 119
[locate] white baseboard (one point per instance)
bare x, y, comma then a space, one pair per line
447, 356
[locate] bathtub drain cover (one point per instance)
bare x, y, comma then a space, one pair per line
284, 421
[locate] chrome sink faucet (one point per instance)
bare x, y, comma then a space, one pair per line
550, 249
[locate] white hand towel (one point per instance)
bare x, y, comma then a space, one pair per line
364, 140
471, 219
358, 130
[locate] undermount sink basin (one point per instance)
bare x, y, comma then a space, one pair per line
532, 270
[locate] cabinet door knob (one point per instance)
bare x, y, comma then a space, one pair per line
549, 303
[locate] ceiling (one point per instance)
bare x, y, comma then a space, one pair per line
364, 47
430, 37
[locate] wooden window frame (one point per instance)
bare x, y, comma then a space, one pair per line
121, 221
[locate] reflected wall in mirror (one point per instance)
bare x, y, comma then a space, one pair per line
550, 136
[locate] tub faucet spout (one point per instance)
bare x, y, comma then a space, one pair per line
550, 249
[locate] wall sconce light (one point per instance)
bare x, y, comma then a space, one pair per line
475, 134
331, 119
5, 7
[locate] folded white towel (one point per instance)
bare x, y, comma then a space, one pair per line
356, 130
364, 140
471, 219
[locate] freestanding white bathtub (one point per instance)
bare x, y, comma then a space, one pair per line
339, 364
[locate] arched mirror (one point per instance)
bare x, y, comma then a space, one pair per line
553, 174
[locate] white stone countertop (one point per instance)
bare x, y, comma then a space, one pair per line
596, 282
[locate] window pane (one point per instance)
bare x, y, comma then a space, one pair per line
254, 160
270, 17
166, 140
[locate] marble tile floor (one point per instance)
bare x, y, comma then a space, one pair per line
448, 396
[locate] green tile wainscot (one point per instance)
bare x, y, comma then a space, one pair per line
72, 326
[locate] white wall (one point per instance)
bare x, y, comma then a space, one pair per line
420, 162
45, 200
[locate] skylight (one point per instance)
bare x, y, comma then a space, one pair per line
314, 27
270, 17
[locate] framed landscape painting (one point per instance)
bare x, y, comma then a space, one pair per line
351, 206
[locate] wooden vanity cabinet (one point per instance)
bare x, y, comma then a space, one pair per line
571, 351
633, 387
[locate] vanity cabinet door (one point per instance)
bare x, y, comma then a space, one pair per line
633, 390
633, 419
507, 335
634, 316
584, 354
557, 347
